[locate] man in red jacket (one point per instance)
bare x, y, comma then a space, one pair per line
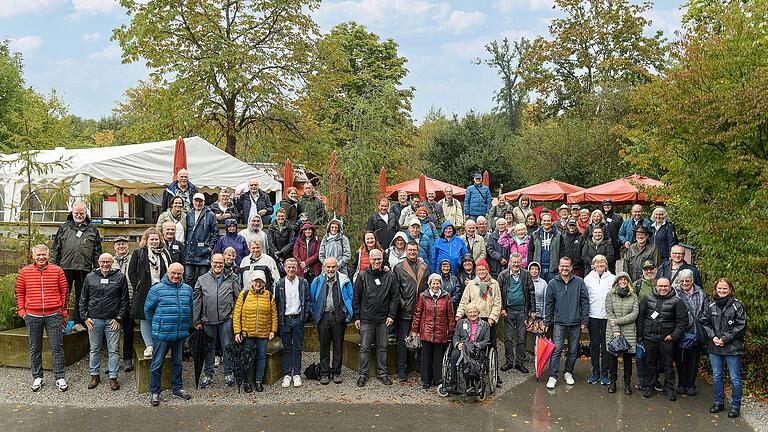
41, 298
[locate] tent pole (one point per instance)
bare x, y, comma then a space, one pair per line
120, 204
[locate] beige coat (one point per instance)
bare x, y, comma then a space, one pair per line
478, 247
489, 308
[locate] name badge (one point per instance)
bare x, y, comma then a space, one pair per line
654, 315
79, 234
466, 326
377, 281
176, 247
609, 220
201, 245
105, 281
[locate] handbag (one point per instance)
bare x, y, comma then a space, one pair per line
534, 325
413, 342
688, 341
618, 345
640, 350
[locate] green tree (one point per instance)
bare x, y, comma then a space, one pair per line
240, 63
505, 59
595, 46
13, 91
705, 123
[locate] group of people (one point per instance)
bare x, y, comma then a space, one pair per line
551, 273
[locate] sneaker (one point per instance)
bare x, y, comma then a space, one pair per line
37, 384
324, 380
148, 352
604, 381
154, 400
648, 392
247, 387
216, 361
521, 367
716, 408
612, 387
259, 387
297, 381
128, 365
337, 379
206, 381
551, 383
593, 379
658, 387
181, 394
229, 380
61, 383
734, 412
361, 381
671, 395
506, 367
690, 391
569, 378
286, 381
680, 390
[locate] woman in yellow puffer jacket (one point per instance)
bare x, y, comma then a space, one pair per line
255, 323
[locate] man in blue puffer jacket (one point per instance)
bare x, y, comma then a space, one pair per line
477, 198
168, 307
449, 246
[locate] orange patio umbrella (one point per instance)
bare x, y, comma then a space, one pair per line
628, 190
179, 157
288, 175
382, 182
412, 187
548, 191
486, 178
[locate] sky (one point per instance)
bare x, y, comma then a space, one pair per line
66, 45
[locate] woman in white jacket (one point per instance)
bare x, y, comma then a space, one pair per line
599, 282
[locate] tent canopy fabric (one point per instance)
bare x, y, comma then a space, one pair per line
548, 191
621, 191
412, 187
139, 167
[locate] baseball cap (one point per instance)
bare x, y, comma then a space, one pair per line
199, 196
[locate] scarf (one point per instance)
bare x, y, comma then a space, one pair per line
722, 302
484, 287
520, 241
622, 292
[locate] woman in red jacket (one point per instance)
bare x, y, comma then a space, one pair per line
306, 251
433, 322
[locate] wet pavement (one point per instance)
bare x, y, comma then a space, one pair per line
528, 407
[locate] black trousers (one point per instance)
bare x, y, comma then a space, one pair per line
128, 329
493, 333
403, 328
597, 352
75, 280
330, 331
432, 362
613, 368
664, 351
687, 362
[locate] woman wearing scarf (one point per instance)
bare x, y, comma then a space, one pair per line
449, 282
725, 323
176, 215
484, 292
336, 244
688, 350
229, 260
306, 250
596, 219
519, 242
148, 265
433, 322
583, 220
395, 253
291, 206
621, 308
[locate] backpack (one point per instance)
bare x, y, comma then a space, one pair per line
312, 371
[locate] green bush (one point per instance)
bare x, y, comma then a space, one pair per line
9, 316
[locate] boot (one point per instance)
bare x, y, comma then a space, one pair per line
113, 384
612, 387
627, 388
95, 380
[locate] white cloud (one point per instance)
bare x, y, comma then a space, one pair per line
507, 6
410, 15
10, 8
668, 21
26, 44
109, 53
93, 6
469, 49
91, 37
460, 21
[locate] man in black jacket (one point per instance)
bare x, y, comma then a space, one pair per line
613, 223
660, 323
374, 305
175, 248
252, 202
383, 223
571, 247
518, 303
104, 305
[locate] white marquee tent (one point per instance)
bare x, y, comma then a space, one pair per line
129, 169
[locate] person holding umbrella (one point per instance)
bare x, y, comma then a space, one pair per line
255, 324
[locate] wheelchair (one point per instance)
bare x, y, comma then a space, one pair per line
478, 381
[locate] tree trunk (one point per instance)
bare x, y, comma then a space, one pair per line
231, 143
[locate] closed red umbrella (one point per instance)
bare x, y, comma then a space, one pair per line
382, 182
486, 178
179, 156
544, 348
333, 188
288, 175
422, 186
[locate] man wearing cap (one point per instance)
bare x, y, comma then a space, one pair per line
546, 247
628, 228
202, 234
451, 208
411, 279
254, 201
375, 304
639, 252
434, 209
120, 262
383, 223
613, 222
644, 286
575, 210
410, 211
180, 188
563, 214
475, 242
572, 241
477, 198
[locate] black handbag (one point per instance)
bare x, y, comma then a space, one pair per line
618, 345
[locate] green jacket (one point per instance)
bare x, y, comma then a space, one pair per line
76, 247
313, 208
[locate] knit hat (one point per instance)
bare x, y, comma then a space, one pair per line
481, 263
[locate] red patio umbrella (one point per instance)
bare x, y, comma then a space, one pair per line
548, 191
333, 188
422, 186
288, 175
179, 156
382, 182
544, 348
628, 190
412, 187
486, 178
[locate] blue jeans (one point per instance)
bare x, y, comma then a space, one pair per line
560, 334
545, 274
101, 329
734, 371
224, 332
156, 369
259, 358
292, 336
146, 332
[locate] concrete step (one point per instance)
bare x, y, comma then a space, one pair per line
351, 357
14, 348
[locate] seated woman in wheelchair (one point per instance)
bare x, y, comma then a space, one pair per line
471, 338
